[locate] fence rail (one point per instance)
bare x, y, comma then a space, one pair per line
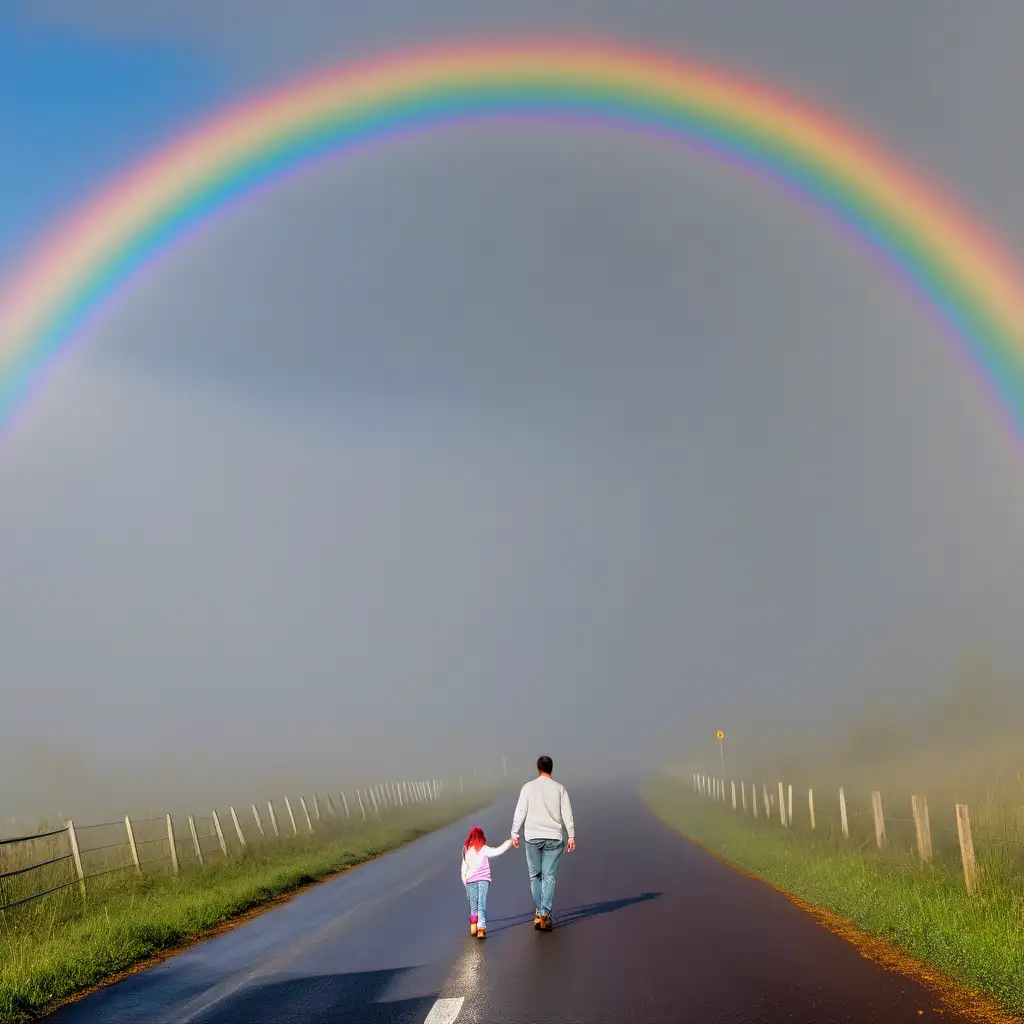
867, 823
53, 861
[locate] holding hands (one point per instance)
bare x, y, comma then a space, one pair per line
570, 846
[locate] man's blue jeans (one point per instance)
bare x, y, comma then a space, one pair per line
542, 859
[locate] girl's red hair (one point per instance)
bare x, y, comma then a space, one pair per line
476, 838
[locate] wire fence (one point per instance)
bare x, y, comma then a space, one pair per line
889, 824
76, 863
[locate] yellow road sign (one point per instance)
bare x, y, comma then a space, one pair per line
721, 735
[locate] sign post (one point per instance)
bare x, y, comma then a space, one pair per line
721, 750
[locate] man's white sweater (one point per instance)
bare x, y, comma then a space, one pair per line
544, 808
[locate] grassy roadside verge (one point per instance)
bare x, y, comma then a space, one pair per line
44, 964
978, 942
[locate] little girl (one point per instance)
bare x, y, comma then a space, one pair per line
476, 876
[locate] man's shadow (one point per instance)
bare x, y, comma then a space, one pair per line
572, 915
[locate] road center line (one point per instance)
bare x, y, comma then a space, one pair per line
444, 1011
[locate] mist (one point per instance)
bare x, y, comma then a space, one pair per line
503, 442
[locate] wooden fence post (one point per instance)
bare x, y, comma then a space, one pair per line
288, 804
330, 805
734, 794
131, 843
259, 822
273, 818
220, 833
963, 828
305, 811
922, 827
77, 855
876, 809
238, 827
344, 803
810, 806
753, 798
842, 814
782, 807
316, 808
789, 807
173, 845
743, 795
195, 839
767, 804
361, 807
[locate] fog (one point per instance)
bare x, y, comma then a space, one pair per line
502, 442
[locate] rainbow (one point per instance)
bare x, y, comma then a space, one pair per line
963, 279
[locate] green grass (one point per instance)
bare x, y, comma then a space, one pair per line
46, 957
926, 912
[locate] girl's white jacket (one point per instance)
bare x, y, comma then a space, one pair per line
476, 863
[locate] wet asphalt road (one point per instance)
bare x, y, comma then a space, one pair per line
649, 928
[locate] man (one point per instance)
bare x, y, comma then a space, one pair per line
545, 809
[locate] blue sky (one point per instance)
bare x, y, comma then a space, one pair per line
76, 109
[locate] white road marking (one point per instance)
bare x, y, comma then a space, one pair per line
444, 1011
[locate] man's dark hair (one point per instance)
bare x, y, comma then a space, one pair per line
545, 764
